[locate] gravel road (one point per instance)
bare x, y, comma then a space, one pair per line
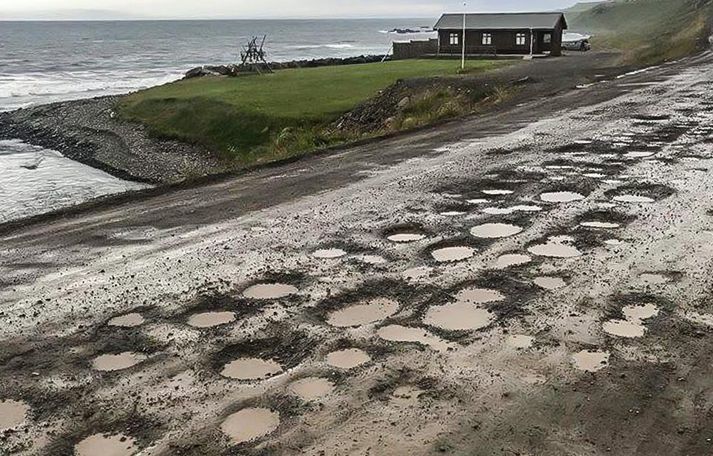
533, 281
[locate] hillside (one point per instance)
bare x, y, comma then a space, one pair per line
648, 31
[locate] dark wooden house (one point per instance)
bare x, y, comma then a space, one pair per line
501, 33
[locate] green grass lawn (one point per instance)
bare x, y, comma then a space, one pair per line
248, 117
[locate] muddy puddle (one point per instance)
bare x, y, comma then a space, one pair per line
348, 358
628, 198
127, 321
251, 369
364, 313
600, 225
591, 361
633, 324
452, 254
561, 197
497, 192
311, 388
329, 254
404, 238
106, 445
12, 414
520, 341
479, 296
556, 247
495, 230
398, 333
452, 213
115, 362
211, 319
550, 282
478, 201
250, 424
458, 316
511, 259
269, 291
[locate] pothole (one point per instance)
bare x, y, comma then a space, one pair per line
311, 388
479, 296
403, 238
520, 341
127, 321
417, 273
623, 328
12, 414
628, 198
561, 197
211, 319
115, 362
365, 313
251, 369
452, 213
348, 358
398, 333
478, 201
550, 282
495, 230
372, 259
250, 424
106, 445
452, 254
600, 225
642, 312
329, 254
591, 361
407, 393
556, 247
269, 291
497, 192
511, 259
638, 154
458, 316
497, 211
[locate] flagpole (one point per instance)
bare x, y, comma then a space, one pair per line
462, 59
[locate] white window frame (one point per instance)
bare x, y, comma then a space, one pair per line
454, 39
521, 39
487, 39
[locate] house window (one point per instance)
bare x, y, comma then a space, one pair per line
487, 39
520, 39
454, 39
547, 38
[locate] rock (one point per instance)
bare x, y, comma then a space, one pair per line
403, 102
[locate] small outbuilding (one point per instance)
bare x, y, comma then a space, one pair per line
501, 33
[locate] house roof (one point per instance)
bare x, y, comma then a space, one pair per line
495, 21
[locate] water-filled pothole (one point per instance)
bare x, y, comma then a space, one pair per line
250, 424
404, 238
269, 291
106, 445
623, 328
458, 316
452, 254
348, 358
561, 197
311, 388
211, 319
627, 198
497, 192
329, 254
398, 333
600, 225
127, 321
495, 230
251, 369
556, 247
511, 259
550, 282
364, 313
591, 361
12, 414
479, 296
115, 362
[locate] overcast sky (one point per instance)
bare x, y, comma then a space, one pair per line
198, 9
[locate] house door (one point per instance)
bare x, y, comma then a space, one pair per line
543, 43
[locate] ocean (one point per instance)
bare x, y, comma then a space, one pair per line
44, 62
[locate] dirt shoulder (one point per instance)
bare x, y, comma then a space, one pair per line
90, 132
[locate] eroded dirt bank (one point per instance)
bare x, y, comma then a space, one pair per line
535, 283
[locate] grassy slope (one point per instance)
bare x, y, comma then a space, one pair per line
262, 118
648, 31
